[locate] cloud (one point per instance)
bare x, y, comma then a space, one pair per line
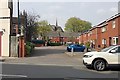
113, 9
100, 11
55, 7
68, 0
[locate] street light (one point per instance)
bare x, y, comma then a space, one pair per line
18, 16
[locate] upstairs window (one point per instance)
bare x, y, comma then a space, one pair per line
113, 24
90, 32
103, 29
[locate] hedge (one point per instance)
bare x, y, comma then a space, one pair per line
38, 41
53, 44
29, 47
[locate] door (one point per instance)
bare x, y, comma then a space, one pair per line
115, 55
110, 41
78, 48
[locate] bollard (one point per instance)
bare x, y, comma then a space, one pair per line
72, 50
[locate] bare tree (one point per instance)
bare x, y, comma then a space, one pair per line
31, 24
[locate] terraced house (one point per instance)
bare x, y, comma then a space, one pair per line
6, 10
104, 34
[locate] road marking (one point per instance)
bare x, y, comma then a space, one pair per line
6, 75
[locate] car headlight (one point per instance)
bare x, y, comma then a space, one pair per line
87, 56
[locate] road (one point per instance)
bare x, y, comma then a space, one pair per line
51, 62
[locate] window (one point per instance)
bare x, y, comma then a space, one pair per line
113, 24
103, 41
103, 29
106, 49
90, 32
117, 49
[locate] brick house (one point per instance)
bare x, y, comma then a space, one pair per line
57, 35
110, 31
104, 34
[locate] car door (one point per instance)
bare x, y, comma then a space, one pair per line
118, 55
78, 48
114, 56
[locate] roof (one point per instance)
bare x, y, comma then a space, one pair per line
56, 28
62, 34
111, 18
103, 23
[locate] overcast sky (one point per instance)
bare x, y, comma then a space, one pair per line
94, 12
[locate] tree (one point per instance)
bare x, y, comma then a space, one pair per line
31, 24
75, 24
42, 28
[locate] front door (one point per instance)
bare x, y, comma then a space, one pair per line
110, 41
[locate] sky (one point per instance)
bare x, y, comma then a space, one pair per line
94, 12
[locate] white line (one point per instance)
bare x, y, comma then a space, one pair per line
6, 75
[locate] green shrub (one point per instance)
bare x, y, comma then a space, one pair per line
87, 45
82, 44
38, 41
28, 49
53, 44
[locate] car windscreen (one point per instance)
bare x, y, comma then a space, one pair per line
106, 49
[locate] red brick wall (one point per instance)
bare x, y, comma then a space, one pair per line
81, 38
99, 40
55, 39
93, 36
65, 39
85, 38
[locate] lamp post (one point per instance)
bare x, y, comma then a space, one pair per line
21, 38
18, 15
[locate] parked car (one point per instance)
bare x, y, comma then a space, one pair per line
76, 48
107, 57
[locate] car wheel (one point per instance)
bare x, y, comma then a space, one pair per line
99, 65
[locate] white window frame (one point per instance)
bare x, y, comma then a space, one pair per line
103, 29
113, 24
114, 40
104, 41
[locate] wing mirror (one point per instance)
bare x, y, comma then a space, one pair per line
113, 51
